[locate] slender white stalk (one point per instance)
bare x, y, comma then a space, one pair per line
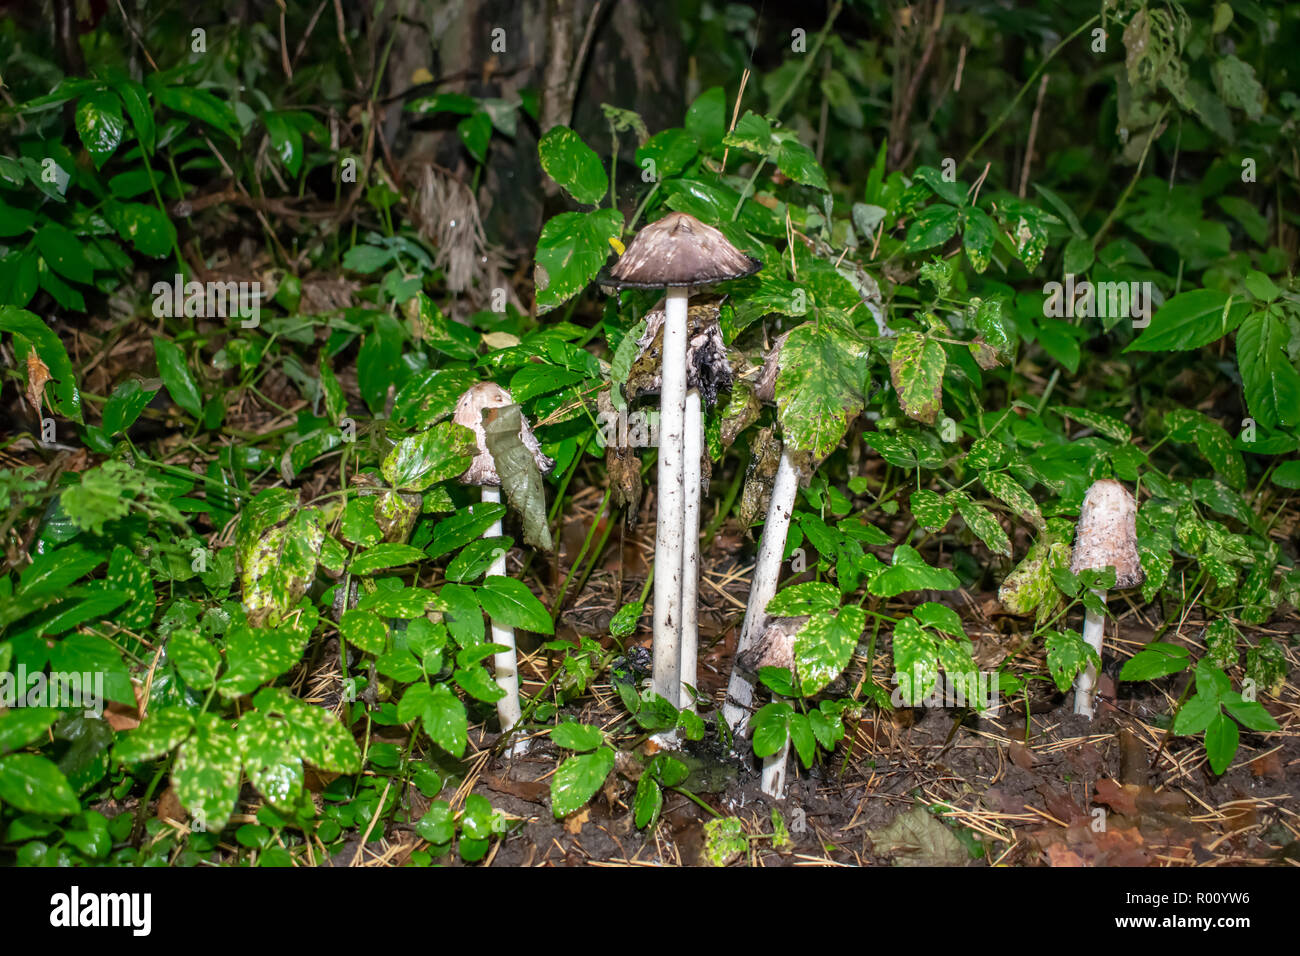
773, 781
767, 572
504, 663
671, 491
1094, 628
694, 452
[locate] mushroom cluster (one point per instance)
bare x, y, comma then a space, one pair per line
678, 253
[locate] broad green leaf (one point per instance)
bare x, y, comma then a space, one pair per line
771, 727
445, 720
127, 574
31, 784
286, 141
1221, 739
1270, 380
1005, 488
146, 227
51, 352
978, 238
752, 132
364, 629
200, 104
820, 388
21, 726
570, 251
1105, 424
206, 772
1068, 655
984, 524
442, 452
916, 368
916, 660
509, 603
573, 164
124, 406
909, 572
381, 557
797, 161
798, 600
1184, 424
931, 509
195, 657
255, 656
824, 646
100, 125
157, 736
1190, 320
577, 780
669, 151
575, 736
317, 736
932, 227
175, 373
476, 558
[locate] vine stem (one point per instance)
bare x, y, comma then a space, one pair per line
1002, 117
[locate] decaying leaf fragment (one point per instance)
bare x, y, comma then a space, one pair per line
758, 480
622, 463
1029, 588
708, 367
919, 838
518, 469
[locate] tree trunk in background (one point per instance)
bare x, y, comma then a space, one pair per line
631, 63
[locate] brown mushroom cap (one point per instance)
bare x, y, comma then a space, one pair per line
1107, 534
469, 412
679, 251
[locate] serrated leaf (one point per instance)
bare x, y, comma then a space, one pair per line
916, 369
573, 164
824, 646
985, 525
442, 452
799, 600
206, 772
1004, 487
577, 780
820, 388
509, 603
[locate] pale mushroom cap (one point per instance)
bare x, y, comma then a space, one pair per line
679, 251
469, 412
1107, 534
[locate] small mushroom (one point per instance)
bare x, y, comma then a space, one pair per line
774, 648
480, 400
678, 253
1106, 537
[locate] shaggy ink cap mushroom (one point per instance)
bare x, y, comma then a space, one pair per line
1107, 534
679, 251
469, 412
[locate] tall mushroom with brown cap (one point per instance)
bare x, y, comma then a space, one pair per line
1106, 537
678, 253
478, 402
708, 372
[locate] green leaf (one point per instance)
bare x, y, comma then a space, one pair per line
124, 406
509, 603
931, 509
909, 572
442, 452
31, 784
476, 132
570, 251
365, 630
820, 388
797, 161
157, 736
286, 141
707, 118
445, 720
146, 227
575, 736
1212, 441
100, 125
478, 683
463, 615
771, 727
648, 802
1190, 320
1112, 428
798, 600
940, 617
1221, 739
1068, 655
63, 252
206, 772
521, 478
578, 779
932, 227
984, 524
269, 756
978, 238
1155, 660
824, 646
136, 101
175, 373
1005, 488
381, 557
255, 656
1270, 380
669, 150
916, 660
21, 726
128, 575
573, 164
197, 660
200, 104
916, 368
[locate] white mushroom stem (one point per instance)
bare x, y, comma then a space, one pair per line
505, 663
767, 572
668, 529
1085, 685
694, 452
773, 779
